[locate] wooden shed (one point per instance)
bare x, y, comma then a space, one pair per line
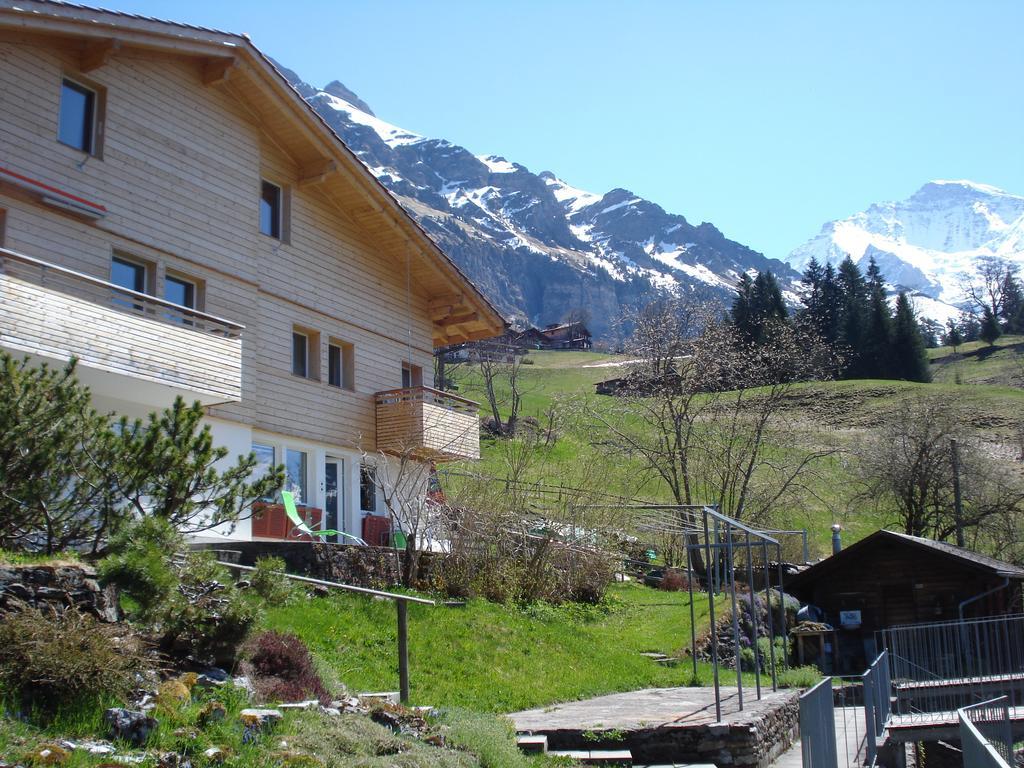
889, 579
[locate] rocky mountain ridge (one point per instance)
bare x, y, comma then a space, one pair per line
537, 246
925, 243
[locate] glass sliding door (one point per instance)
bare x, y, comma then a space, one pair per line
334, 497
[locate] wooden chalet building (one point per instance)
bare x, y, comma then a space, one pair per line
177, 217
572, 335
889, 579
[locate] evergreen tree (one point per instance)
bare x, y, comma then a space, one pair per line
970, 328
953, 338
990, 330
828, 326
877, 353
740, 313
1013, 303
758, 306
910, 359
853, 314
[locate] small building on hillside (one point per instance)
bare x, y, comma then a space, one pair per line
572, 335
890, 579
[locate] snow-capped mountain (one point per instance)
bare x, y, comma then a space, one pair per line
926, 242
535, 244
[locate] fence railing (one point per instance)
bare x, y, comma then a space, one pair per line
818, 727
940, 667
986, 736
877, 703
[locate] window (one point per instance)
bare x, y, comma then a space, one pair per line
128, 274
295, 475
77, 124
265, 456
367, 488
271, 210
340, 364
412, 375
180, 291
300, 354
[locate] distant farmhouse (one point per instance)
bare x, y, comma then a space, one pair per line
516, 343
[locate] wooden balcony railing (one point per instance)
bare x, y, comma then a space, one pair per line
428, 424
56, 312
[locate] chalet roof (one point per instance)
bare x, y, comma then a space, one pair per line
459, 310
851, 556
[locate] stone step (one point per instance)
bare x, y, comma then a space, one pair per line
596, 756
532, 744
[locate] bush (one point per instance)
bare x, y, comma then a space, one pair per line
674, 580
281, 669
267, 581
54, 662
207, 618
140, 563
799, 677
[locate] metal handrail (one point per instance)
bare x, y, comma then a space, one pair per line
232, 328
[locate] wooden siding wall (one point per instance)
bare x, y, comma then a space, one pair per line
180, 174
893, 585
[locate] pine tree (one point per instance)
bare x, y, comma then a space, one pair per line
970, 328
740, 314
758, 306
953, 338
831, 296
1013, 303
877, 355
853, 312
909, 356
990, 330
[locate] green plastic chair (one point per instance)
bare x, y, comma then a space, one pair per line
288, 499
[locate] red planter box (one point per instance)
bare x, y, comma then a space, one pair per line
269, 521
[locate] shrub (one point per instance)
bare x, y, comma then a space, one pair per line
140, 563
54, 662
267, 581
207, 618
281, 668
799, 677
674, 580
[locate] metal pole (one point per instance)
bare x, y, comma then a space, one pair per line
714, 630
403, 651
958, 504
768, 602
807, 551
693, 615
782, 601
735, 612
753, 615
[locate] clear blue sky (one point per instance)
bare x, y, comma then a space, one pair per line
767, 119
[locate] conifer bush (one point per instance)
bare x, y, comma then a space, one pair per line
281, 669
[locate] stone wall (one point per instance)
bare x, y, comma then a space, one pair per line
57, 588
744, 741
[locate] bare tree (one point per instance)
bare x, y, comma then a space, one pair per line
501, 377
705, 412
906, 466
987, 286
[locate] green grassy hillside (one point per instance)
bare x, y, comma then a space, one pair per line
989, 399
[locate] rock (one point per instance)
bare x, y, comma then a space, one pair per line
310, 704
92, 747
127, 725
331, 711
244, 683
172, 695
216, 754
48, 754
212, 677
212, 712
173, 760
260, 717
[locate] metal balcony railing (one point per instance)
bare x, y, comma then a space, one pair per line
80, 285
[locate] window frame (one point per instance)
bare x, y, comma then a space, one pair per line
296, 333
346, 362
367, 487
97, 108
303, 483
414, 374
191, 282
278, 221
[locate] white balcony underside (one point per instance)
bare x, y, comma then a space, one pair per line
122, 355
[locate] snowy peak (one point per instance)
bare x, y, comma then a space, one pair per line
926, 242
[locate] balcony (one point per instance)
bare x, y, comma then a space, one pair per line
130, 346
427, 424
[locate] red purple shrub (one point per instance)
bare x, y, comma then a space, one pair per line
281, 669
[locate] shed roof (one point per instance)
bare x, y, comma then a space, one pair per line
850, 557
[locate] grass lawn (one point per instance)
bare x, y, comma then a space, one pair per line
496, 658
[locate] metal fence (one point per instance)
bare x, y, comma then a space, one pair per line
818, 727
986, 736
940, 667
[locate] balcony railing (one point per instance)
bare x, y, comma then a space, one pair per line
428, 424
55, 312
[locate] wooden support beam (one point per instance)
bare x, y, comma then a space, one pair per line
217, 71
316, 173
448, 300
97, 53
453, 320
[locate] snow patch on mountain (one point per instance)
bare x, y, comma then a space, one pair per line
924, 244
497, 164
391, 135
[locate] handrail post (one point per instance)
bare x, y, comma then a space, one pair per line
403, 651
